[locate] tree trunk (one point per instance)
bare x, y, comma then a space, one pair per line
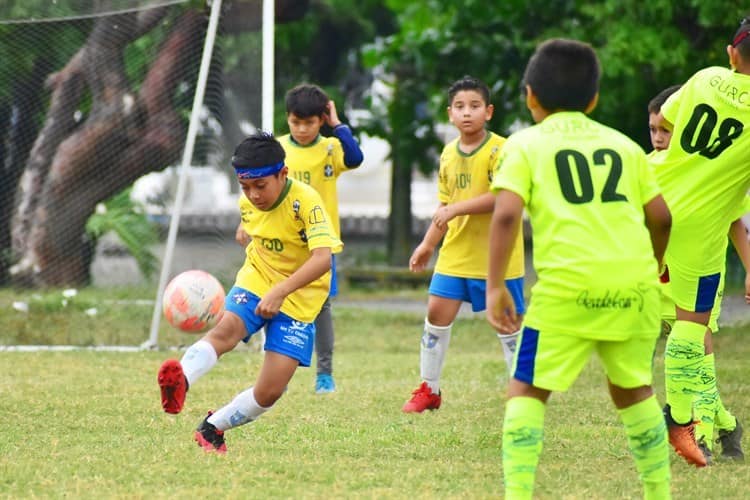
400, 219
74, 167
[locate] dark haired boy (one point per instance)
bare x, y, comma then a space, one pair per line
704, 175
281, 286
600, 229
319, 161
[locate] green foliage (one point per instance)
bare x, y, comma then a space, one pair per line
128, 221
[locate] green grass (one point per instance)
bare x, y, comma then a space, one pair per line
88, 424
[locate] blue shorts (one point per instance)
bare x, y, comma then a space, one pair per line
284, 335
474, 290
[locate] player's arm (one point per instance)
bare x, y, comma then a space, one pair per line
659, 224
353, 156
241, 236
504, 226
421, 255
314, 267
482, 204
738, 235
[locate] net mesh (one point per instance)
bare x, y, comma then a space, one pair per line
95, 101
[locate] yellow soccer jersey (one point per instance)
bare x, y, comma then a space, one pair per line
584, 186
282, 239
462, 176
318, 164
705, 171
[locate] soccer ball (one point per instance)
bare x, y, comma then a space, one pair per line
193, 301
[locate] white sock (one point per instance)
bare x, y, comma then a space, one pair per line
435, 340
242, 410
508, 342
198, 360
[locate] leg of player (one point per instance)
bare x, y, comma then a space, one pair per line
508, 343
523, 433
683, 361
175, 377
647, 437
706, 401
441, 312
246, 407
324, 338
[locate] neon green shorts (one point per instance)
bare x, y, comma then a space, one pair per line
553, 361
692, 293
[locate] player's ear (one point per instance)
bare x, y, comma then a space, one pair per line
592, 104
733, 56
531, 101
489, 112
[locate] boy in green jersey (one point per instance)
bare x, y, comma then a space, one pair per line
709, 409
600, 229
704, 175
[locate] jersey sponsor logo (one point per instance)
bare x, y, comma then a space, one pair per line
273, 244
728, 89
296, 333
316, 215
240, 298
611, 299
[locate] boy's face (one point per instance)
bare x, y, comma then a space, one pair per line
468, 112
659, 131
264, 191
304, 130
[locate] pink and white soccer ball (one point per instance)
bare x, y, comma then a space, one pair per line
193, 301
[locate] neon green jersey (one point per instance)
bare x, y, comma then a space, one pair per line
461, 177
584, 186
282, 239
318, 164
705, 171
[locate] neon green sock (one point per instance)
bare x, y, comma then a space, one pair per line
705, 403
647, 438
724, 420
683, 359
522, 444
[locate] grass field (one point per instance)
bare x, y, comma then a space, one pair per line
89, 425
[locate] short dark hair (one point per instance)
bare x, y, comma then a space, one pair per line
306, 100
469, 83
741, 38
564, 74
258, 150
655, 104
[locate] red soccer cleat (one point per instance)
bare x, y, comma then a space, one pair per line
682, 439
422, 399
209, 437
173, 385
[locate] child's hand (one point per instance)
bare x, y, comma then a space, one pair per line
501, 310
270, 303
331, 116
419, 259
443, 215
241, 236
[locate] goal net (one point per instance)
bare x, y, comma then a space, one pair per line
96, 104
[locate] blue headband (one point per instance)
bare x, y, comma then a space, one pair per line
255, 172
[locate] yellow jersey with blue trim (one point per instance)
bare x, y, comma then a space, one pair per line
282, 240
705, 171
584, 186
463, 176
318, 164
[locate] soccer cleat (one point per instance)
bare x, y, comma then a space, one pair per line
703, 446
682, 439
731, 443
209, 437
173, 385
422, 399
324, 384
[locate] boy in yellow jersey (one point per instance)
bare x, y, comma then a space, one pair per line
466, 166
710, 412
319, 161
281, 286
704, 175
600, 228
